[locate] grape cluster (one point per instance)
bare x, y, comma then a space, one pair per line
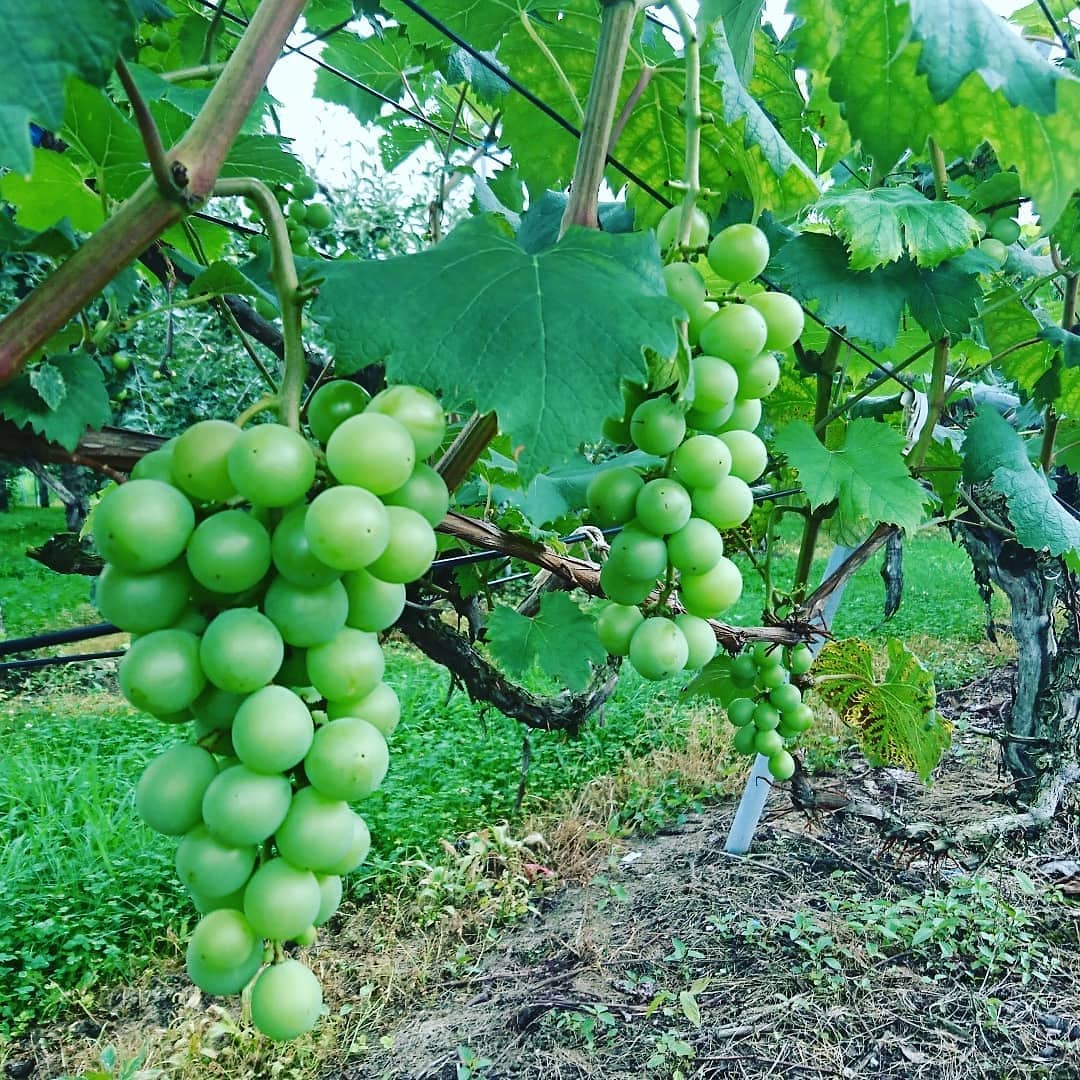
673, 518
1000, 230
766, 706
252, 584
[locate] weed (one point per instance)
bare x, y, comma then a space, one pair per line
471, 1064
588, 1025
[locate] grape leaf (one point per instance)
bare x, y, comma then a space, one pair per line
85, 402
814, 269
561, 639
741, 19
895, 716
1067, 232
221, 278
48, 42
880, 224
867, 476
482, 23
713, 680
1066, 341
543, 339
55, 190
95, 128
1007, 323
944, 300
775, 87
378, 61
994, 452
49, 383
943, 465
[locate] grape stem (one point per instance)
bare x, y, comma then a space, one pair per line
692, 118
1050, 428
155, 151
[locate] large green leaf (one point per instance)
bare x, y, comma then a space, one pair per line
740, 19
482, 23
1013, 333
378, 60
55, 190
49, 42
895, 715
106, 138
880, 224
944, 300
775, 87
543, 339
866, 475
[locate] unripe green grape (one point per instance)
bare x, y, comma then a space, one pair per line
373, 604
380, 707
739, 253
410, 550
211, 868
726, 505
318, 216
241, 650
348, 759
244, 807
161, 673
332, 404
272, 730
700, 640
617, 428
200, 460
745, 740
617, 586
744, 671
696, 547
685, 286
769, 742
141, 603
760, 377
425, 492
317, 832
157, 465
663, 507
785, 697
222, 939
169, 794
638, 553
995, 249
736, 333
347, 527
304, 188
744, 416
800, 659
658, 649
371, 451
702, 461
306, 617
293, 670
749, 456
615, 627
348, 666
782, 765
667, 231
142, 525
771, 677
271, 465
286, 1001
716, 383
224, 981
783, 316
292, 555
766, 717
712, 593
657, 426
215, 708
740, 711
297, 211
766, 654
698, 318
229, 552
281, 900
801, 717
612, 494
358, 852
160, 41
709, 422
330, 890
1005, 230
418, 412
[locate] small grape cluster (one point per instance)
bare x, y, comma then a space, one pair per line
673, 519
252, 584
766, 707
1000, 230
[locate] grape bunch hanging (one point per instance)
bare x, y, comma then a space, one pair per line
253, 581
673, 517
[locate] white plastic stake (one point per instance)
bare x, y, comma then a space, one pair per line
759, 783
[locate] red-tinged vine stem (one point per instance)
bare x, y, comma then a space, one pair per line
155, 151
935, 405
194, 164
692, 118
1050, 429
617, 21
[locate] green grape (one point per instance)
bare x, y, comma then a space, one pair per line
749, 457
330, 889
712, 593
715, 382
785, 697
766, 717
142, 525
358, 852
229, 552
160, 40
800, 660
771, 677
211, 868
169, 794
222, 939
281, 900
332, 404
243, 807
140, 603
736, 333
617, 586
1005, 230
215, 708
663, 507
286, 1001
348, 666
696, 547
760, 377
371, 451
782, 765
745, 741
410, 550
667, 231
347, 760
223, 981
306, 617
318, 216
615, 627
293, 670
740, 711
702, 461
192, 620
766, 654
157, 465
241, 650
270, 465
700, 640
291, 553
205, 904
373, 604
200, 460
272, 730
657, 426
297, 211
658, 649
685, 286
995, 249
783, 316
744, 416
381, 708
347, 527
744, 671
304, 188
418, 412
160, 672
726, 505
317, 832
639, 554
739, 253
801, 717
611, 495
425, 492
709, 422
698, 318
768, 742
